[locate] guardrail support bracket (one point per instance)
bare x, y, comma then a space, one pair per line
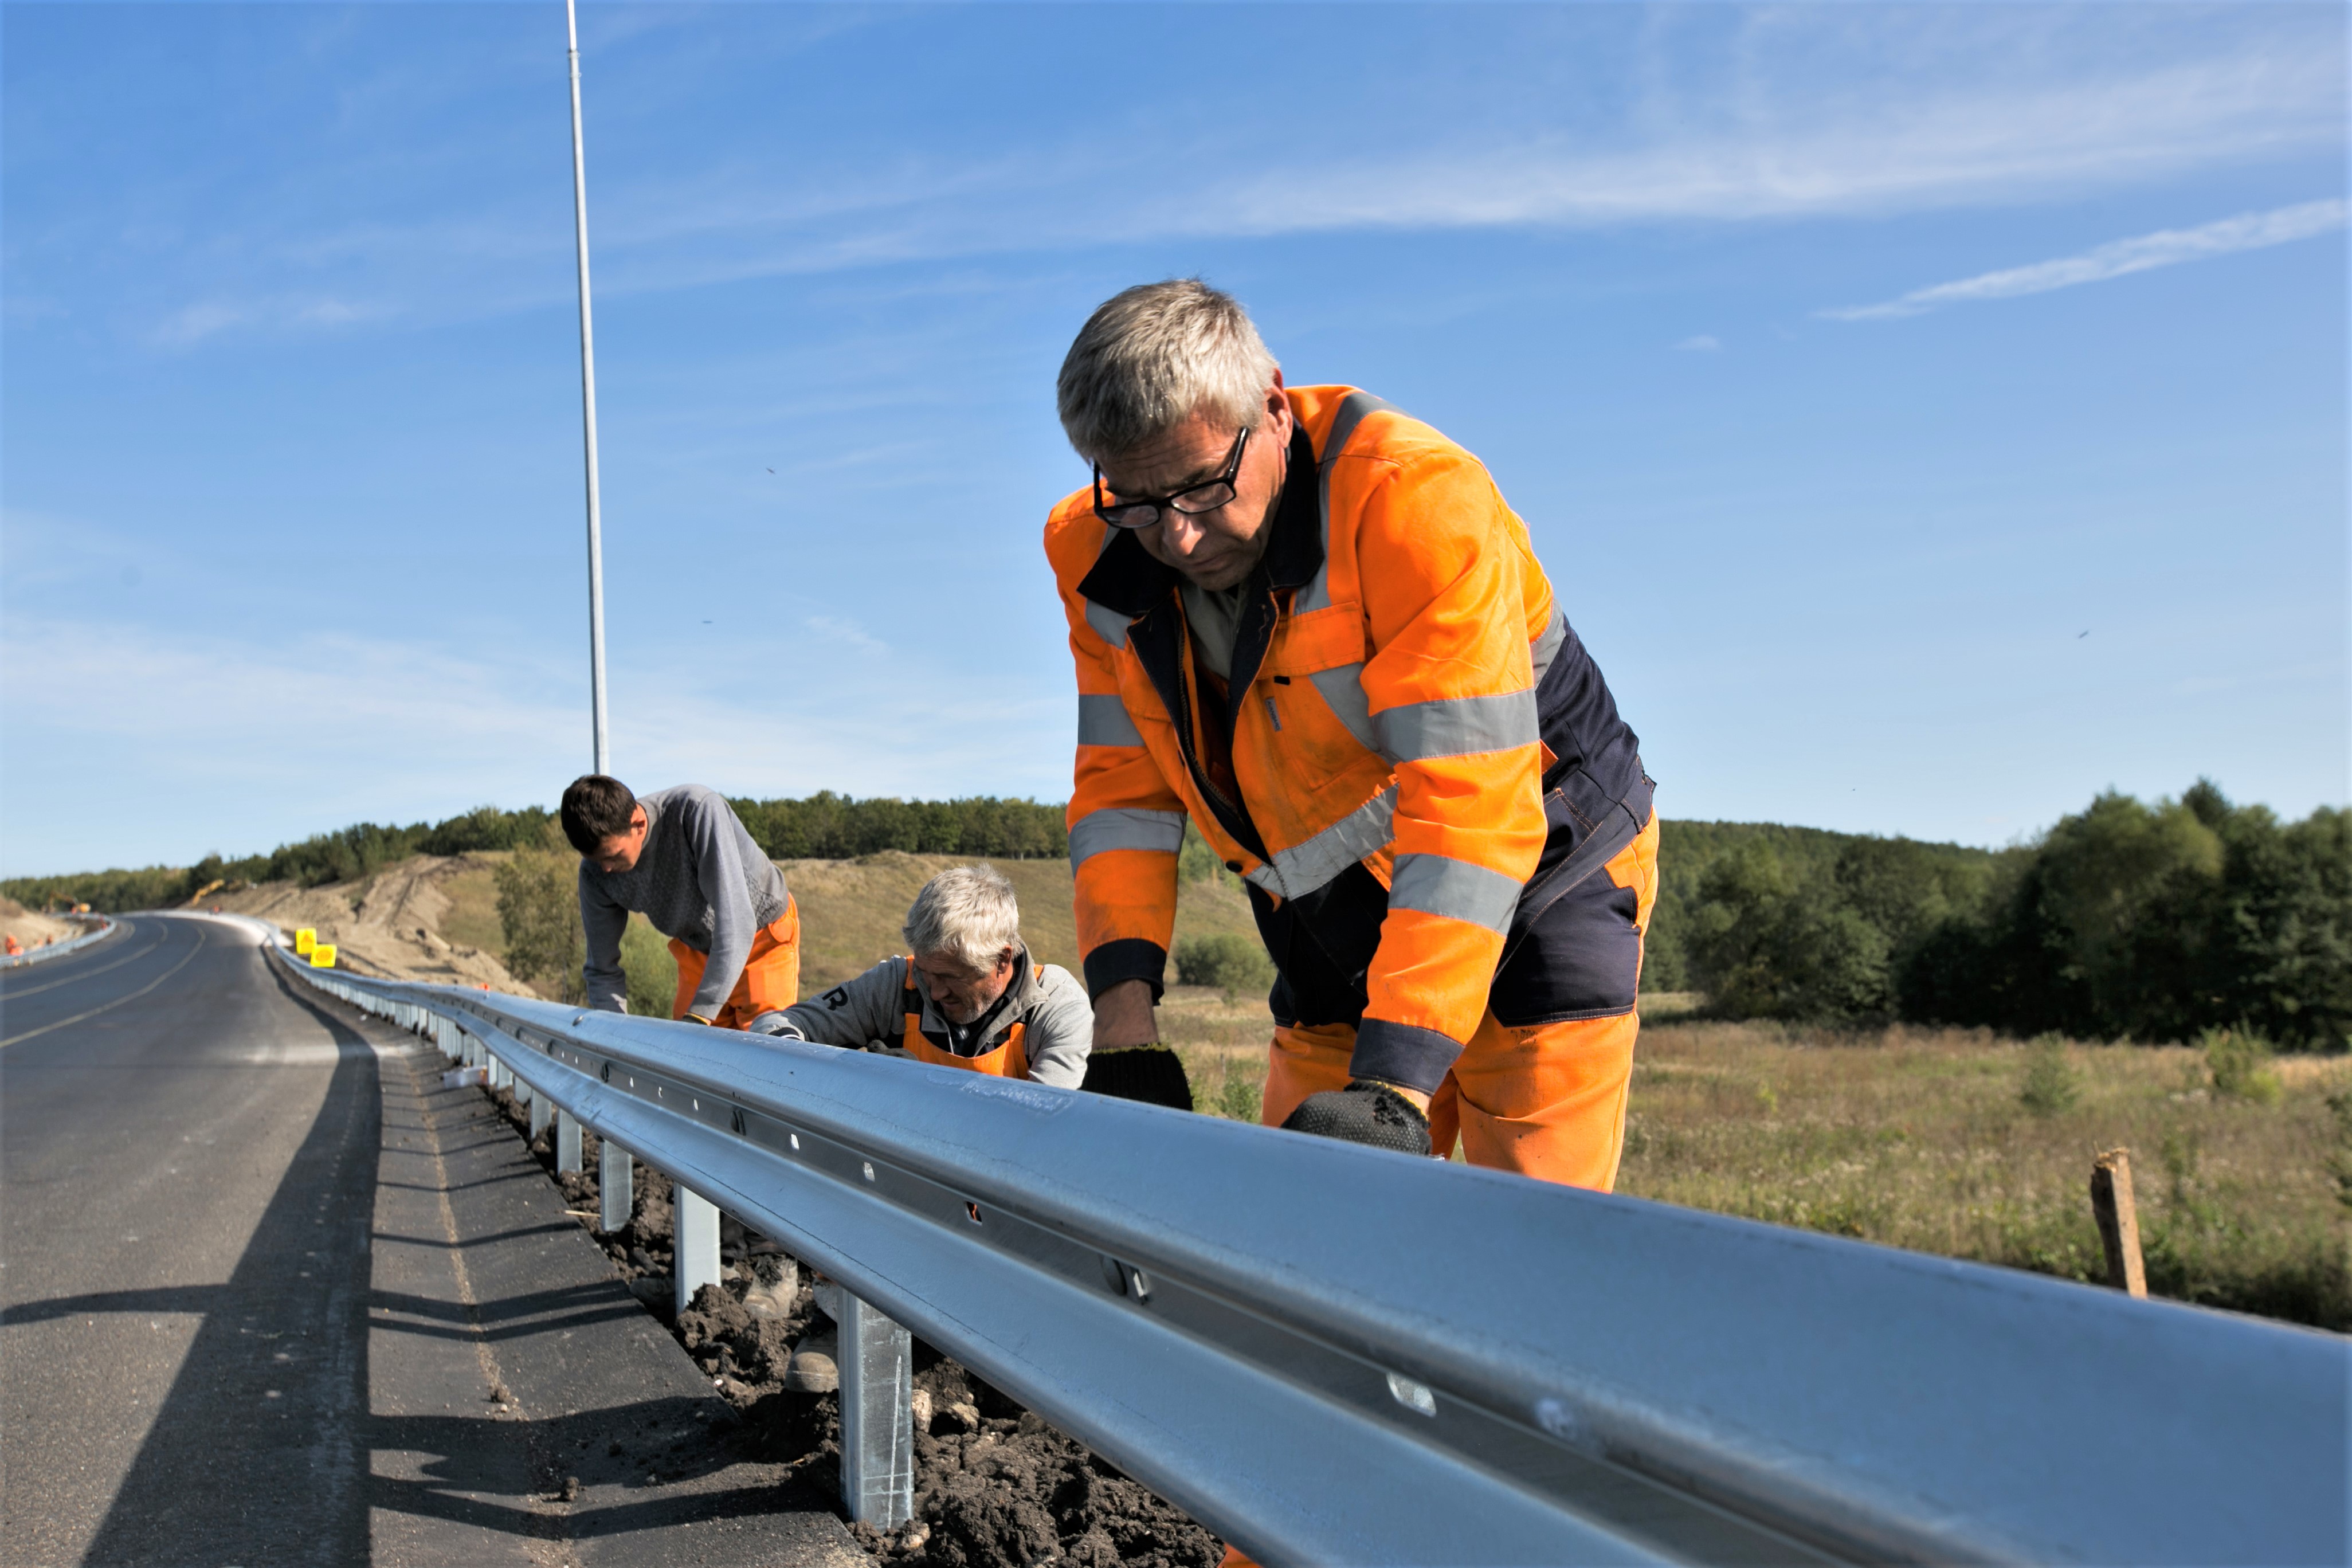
694, 1241
878, 1434
616, 1173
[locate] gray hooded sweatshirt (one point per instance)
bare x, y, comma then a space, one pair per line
700, 879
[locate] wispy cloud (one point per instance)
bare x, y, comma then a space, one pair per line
1768, 115
1700, 344
191, 324
314, 731
1967, 139
1979, 144
2119, 258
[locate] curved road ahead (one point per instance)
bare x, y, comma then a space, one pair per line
255, 1269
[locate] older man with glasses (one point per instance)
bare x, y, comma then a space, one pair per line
1311, 626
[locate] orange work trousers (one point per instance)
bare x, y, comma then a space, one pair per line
1546, 1101
771, 979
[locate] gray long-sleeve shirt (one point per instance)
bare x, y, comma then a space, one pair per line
871, 1010
700, 879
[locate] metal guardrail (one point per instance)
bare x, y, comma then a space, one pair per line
98, 928
1331, 1355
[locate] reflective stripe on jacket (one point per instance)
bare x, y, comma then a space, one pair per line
1414, 736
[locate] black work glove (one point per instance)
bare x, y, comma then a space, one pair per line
1363, 1112
1152, 1074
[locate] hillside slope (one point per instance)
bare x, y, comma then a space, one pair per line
436, 918
30, 928
851, 910
430, 917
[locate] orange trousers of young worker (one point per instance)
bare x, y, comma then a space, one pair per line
771, 975
1548, 1102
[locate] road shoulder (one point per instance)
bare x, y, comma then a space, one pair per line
525, 1408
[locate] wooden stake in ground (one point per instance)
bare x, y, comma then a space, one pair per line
2112, 1206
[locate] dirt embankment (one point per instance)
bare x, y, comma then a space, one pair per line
409, 921
32, 930
995, 1487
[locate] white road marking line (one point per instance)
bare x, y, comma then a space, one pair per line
11, 994
118, 1002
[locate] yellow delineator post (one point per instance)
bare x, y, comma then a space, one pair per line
322, 955
304, 941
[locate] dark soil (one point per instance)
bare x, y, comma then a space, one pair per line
995, 1487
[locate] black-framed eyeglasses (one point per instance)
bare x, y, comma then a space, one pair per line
1206, 496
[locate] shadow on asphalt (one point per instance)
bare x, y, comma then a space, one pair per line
255, 1456
261, 1453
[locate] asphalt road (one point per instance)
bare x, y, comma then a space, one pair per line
229, 1333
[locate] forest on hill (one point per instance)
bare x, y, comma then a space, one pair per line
2125, 920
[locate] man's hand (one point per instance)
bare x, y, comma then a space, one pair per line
1124, 1016
1367, 1111
1127, 1062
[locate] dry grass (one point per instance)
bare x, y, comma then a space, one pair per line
851, 910
472, 918
1921, 1139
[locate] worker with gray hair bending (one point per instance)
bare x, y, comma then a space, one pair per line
968, 994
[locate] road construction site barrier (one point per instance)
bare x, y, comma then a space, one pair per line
95, 928
1331, 1355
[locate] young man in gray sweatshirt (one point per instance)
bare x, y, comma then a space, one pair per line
682, 858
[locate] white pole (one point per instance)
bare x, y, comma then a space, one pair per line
588, 408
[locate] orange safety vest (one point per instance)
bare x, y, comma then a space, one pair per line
1007, 1060
1413, 759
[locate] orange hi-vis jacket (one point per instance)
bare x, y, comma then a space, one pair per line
1413, 759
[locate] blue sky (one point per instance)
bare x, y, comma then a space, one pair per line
1848, 362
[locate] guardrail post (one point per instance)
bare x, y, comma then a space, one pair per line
567, 1140
877, 1432
614, 1173
694, 1242
540, 1107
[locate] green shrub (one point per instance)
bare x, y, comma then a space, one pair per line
652, 971
2339, 1158
2239, 1061
539, 910
1242, 1099
1196, 862
2051, 1085
1227, 959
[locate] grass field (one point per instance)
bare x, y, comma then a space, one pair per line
1925, 1140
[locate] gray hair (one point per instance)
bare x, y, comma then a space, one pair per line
1152, 356
968, 914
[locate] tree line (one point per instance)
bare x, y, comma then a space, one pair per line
2125, 920
824, 825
